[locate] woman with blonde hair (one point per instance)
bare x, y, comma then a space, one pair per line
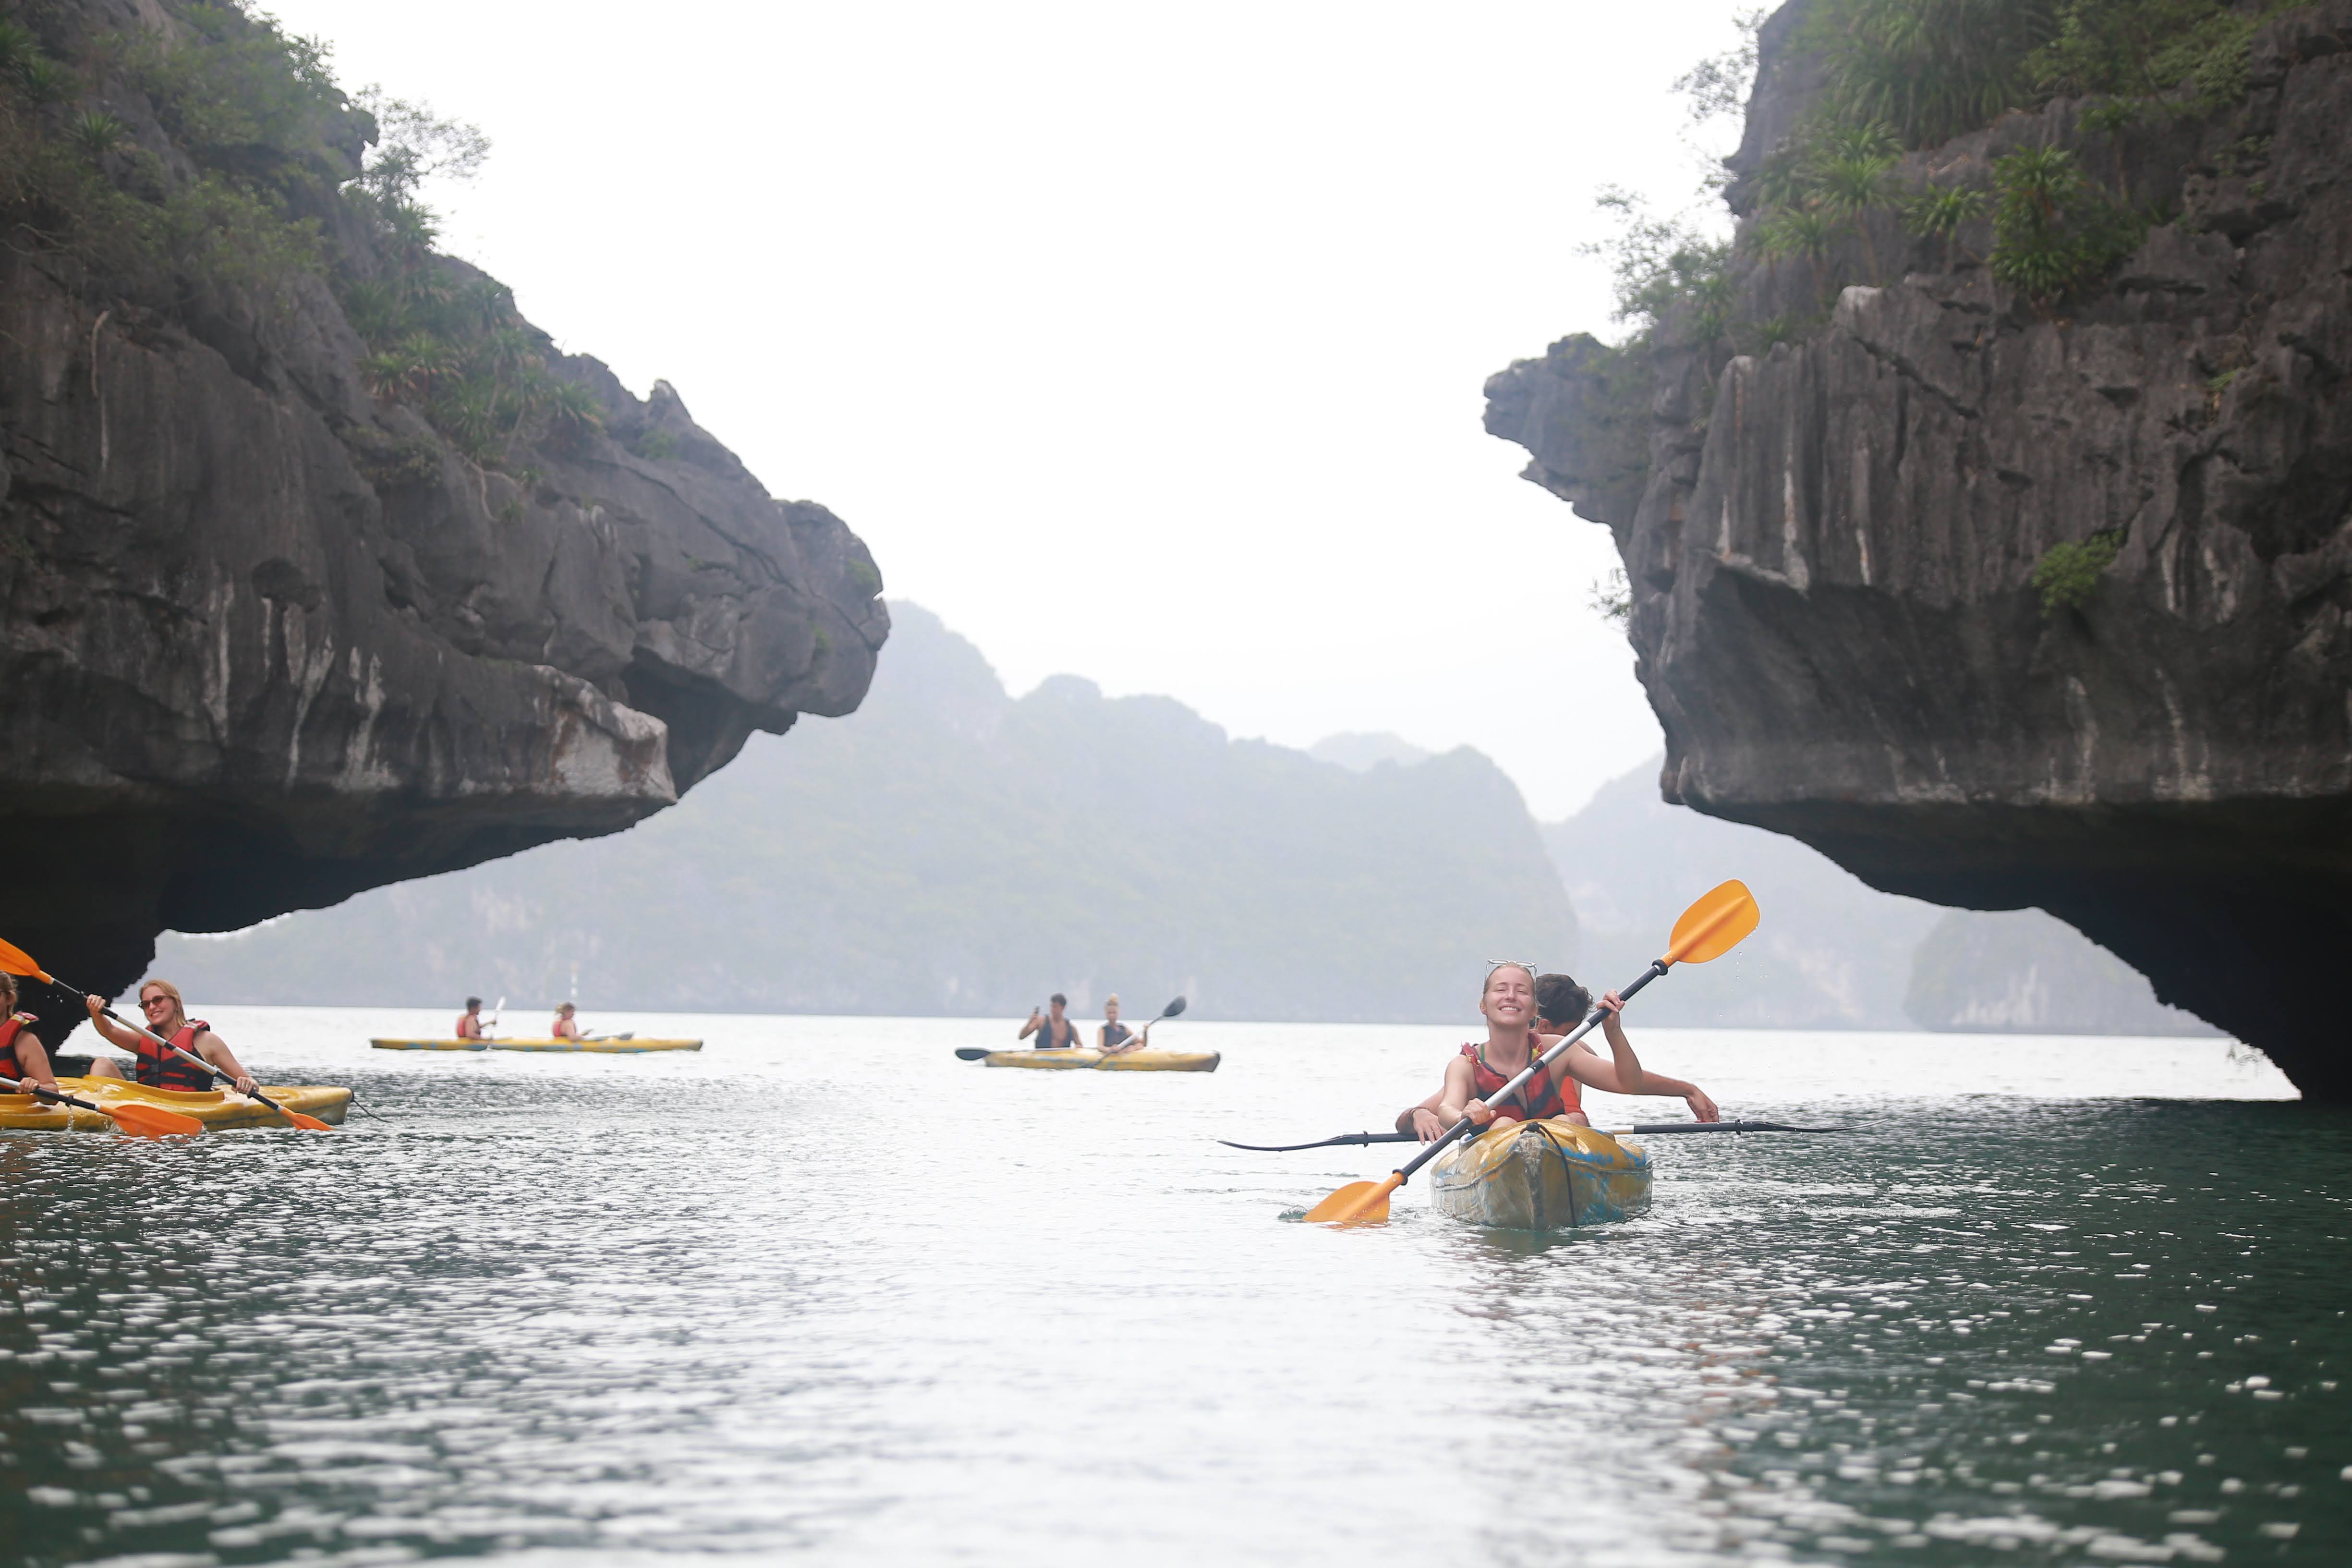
166, 1015
21, 1053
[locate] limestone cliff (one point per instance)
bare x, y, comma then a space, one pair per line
1831, 545
268, 635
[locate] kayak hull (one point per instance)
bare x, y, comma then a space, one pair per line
218, 1109
1541, 1176
600, 1048
1127, 1061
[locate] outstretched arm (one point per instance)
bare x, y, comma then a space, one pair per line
1421, 1119
121, 1036
1623, 1073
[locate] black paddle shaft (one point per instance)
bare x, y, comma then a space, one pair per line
19, 1086
1592, 1021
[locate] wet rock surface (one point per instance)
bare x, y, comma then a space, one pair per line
1830, 547
266, 641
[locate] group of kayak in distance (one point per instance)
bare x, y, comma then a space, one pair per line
1527, 1013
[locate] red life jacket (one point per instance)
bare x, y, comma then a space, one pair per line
158, 1069
9, 1033
1543, 1096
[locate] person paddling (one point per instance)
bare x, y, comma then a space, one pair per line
1055, 1033
22, 1056
1558, 1004
567, 1023
1115, 1039
156, 1068
470, 1022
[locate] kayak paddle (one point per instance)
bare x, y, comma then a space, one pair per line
1645, 1127
982, 1053
1710, 928
142, 1120
15, 960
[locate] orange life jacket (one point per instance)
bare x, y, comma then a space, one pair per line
9, 1033
158, 1069
1546, 1094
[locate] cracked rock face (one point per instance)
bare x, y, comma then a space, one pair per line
1831, 547
265, 642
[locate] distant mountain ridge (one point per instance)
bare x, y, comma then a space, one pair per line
950, 850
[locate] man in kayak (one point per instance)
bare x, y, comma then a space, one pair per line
21, 1055
1054, 1034
1559, 1005
156, 1068
470, 1022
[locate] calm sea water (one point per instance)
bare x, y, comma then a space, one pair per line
824, 1292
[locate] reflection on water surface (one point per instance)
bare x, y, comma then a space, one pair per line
620, 1308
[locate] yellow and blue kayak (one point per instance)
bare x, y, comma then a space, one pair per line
1541, 1176
1067, 1059
608, 1047
216, 1108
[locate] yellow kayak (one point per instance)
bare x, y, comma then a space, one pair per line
628, 1046
216, 1108
1125, 1061
1541, 1176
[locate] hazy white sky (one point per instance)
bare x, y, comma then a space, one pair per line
1139, 341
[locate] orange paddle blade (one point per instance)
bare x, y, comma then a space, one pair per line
15, 960
1358, 1202
1712, 927
306, 1121
151, 1120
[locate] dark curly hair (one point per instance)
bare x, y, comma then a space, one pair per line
1560, 1000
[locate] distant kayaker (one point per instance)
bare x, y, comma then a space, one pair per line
1559, 1004
470, 1022
22, 1056
156, 1068
1055, 1032
567, 1023
1116, 1039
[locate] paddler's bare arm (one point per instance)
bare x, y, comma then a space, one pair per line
28, 1061
214, 1049
1036, 1021
1461, 1096
118, 1036
1421, 1119
1624, 1074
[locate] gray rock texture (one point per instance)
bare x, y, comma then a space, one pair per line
265, 641
1830, 547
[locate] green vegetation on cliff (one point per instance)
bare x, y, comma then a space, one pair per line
206, 148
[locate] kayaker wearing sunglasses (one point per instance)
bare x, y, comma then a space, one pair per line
21, 1054
1557, 1003
156, 1068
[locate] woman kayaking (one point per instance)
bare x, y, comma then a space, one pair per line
1115, 1039
567, 1023
21, 1055
1516, 1035
156, 1068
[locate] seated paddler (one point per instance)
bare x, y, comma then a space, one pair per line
22, 1056
1559, 1005
167, 1015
